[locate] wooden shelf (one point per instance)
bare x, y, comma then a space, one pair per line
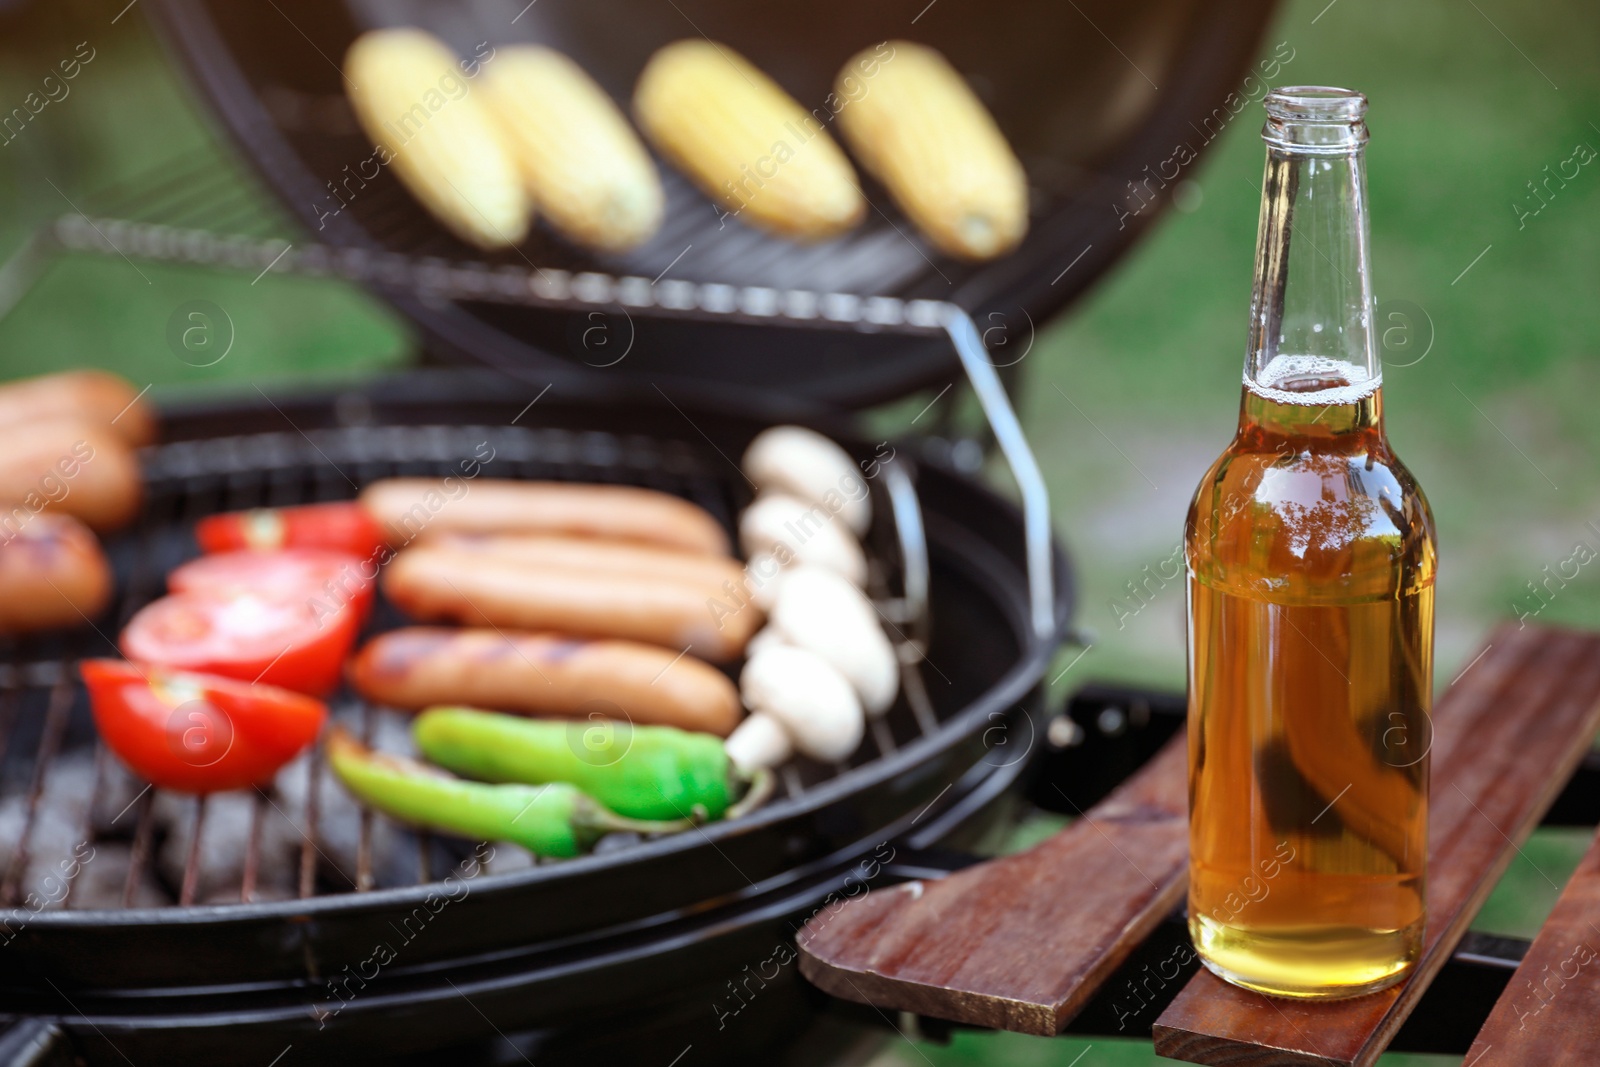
1506, 737
1022, 942
1549, 1013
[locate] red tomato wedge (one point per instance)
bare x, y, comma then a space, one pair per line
331, 579
344, 527
285, 638
194, 732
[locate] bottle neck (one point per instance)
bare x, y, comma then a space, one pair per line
1313, 421
1311, 339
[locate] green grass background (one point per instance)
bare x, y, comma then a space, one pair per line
1471, 100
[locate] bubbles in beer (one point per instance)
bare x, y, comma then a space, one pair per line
1312, 380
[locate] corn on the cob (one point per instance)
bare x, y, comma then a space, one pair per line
412, 100
748, 144
586, 170
920, 130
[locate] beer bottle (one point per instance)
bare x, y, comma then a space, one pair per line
1311, 559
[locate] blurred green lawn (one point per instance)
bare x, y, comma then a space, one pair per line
1470, 101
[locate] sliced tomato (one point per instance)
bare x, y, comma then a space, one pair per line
195, 732
344, 527
285, 638
330, 578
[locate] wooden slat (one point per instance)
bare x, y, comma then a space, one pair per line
1550, 1013
1020, 942
1506, 737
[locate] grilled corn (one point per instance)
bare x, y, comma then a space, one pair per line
583, 165
919, 129
412, 100
748, 144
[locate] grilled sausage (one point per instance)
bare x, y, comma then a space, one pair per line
443, 584
620, 558
545, 674
99, 398
52, 574
405, 507
68, 465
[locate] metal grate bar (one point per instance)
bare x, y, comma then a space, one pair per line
424, 857
191, 863
364, 880
246, 218
438, 278
86, 829
141, 845
55, 725
198, 200
308, 842
916, 692
145, 194
252, 850
882, 736
393, 220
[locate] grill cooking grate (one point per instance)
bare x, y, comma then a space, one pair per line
43, 710
437, 278
210, 214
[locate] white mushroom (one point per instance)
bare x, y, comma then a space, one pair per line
812, 700
763, 637
759, 741
805, 464
818, 611
763, 575
791, 529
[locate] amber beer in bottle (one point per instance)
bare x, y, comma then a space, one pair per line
1311, 562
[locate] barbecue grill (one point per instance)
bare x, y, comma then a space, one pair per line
204, 953
194, 982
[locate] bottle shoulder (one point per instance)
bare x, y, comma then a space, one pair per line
1307, 520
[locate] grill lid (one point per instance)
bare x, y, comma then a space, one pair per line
1094, 97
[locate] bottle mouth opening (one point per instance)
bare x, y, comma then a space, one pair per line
1315, 119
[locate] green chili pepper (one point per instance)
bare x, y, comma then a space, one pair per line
645, 772
551, 820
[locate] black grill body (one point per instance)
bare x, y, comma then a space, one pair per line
632, 924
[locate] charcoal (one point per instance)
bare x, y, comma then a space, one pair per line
394, 848
56, 843
116, 814
103, 876
224, 842
508, 858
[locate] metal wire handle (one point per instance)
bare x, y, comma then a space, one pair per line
913, 541
1019, 457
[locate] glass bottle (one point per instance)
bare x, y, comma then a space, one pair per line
1311, 560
